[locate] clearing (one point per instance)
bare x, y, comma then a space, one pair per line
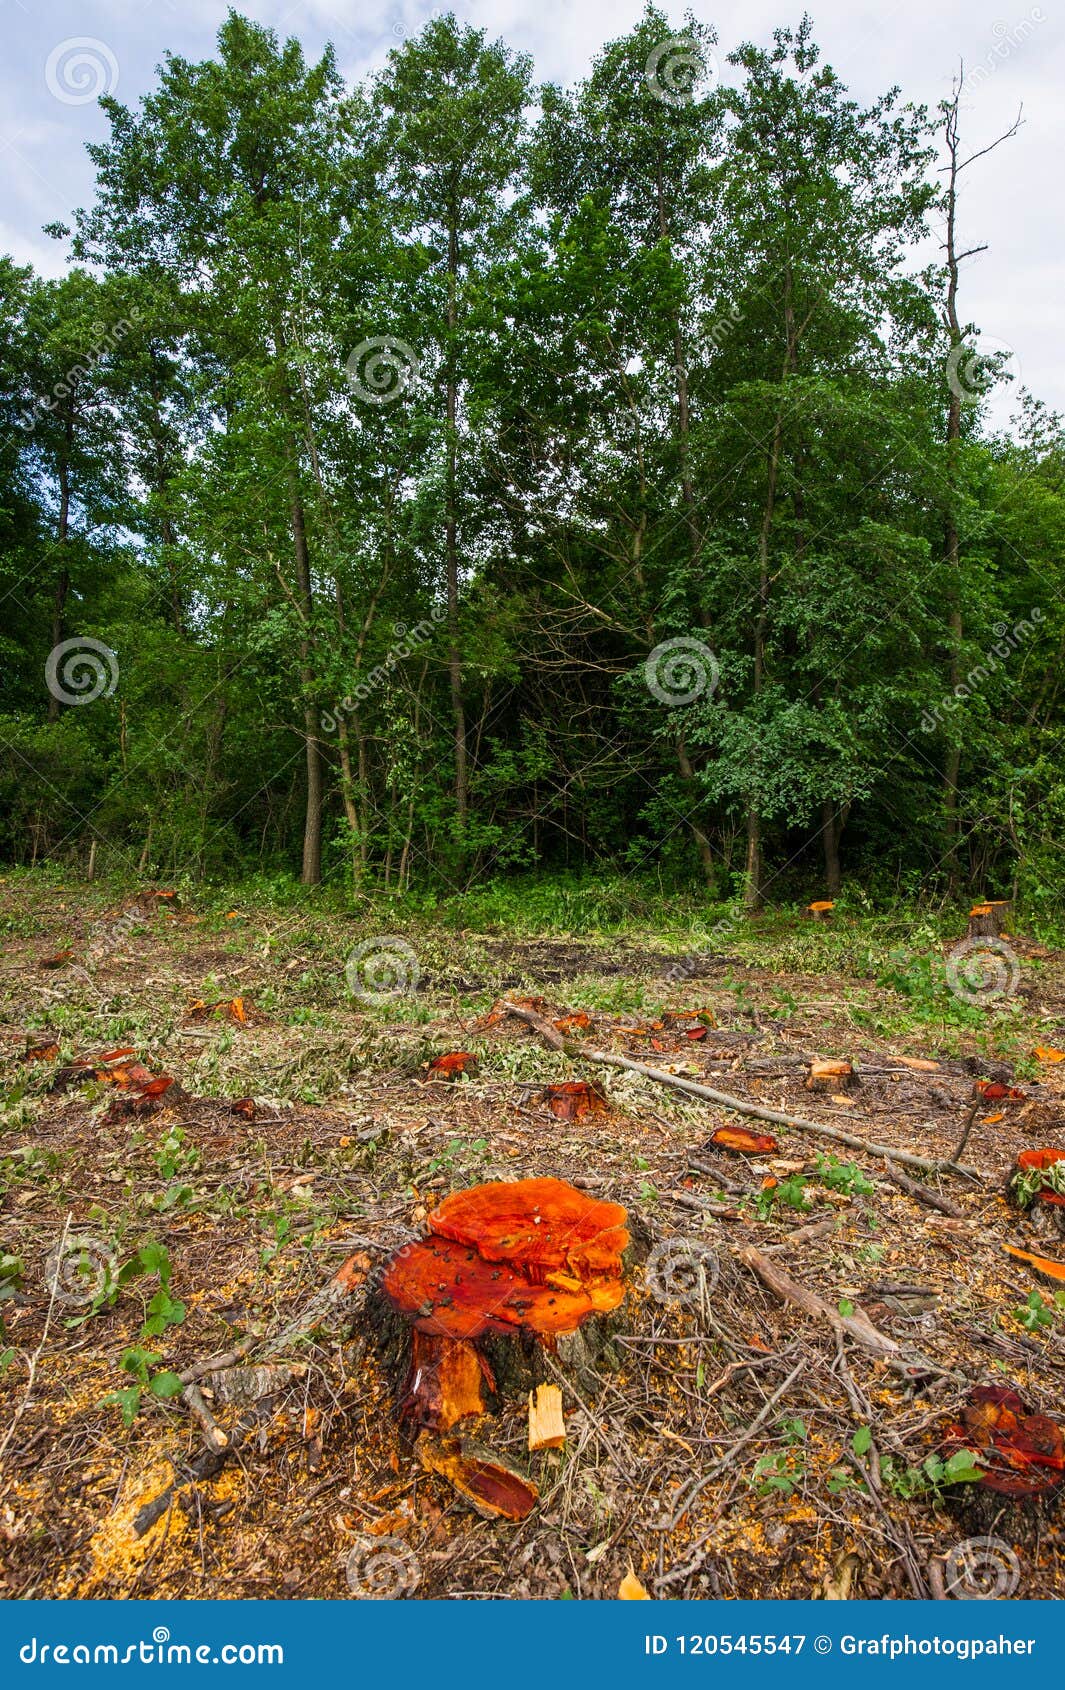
727, 1443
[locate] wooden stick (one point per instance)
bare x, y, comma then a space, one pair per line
740, 1104
857, 1325
921, 1193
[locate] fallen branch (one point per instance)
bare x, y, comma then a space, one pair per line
921, 1194
857, 1325
741, 1105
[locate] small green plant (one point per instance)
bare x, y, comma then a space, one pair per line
455, 1151
1030, 1182
162, 1312
843, 1176
174, 1156
932, 1476
1037, 1314
790, 1191
782, 1471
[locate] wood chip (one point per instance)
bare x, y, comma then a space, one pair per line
547, 1429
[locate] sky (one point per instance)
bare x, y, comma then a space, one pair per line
57, 54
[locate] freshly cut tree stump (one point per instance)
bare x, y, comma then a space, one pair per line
1021, 1457
1037, 1185
830, 1076
505, 1271
821, 910
988, 921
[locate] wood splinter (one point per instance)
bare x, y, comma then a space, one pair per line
547, 1429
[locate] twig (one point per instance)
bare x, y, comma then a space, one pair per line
723, 1461
741, 1105
921, 1193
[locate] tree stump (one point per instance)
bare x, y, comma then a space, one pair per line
1021, 1458
507, 1275
833, 1075
1032, 1186
988, 920
821, 909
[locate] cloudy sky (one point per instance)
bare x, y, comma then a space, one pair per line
58, 52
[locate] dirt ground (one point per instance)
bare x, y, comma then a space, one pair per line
726, 1443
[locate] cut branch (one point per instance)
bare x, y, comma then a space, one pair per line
741, 1105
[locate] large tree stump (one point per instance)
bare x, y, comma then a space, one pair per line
1021, 1458
507, 1274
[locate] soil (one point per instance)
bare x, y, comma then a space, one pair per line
807, 1448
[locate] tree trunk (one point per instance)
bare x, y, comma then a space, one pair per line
62, 584
312, 825
830, 832
454, 661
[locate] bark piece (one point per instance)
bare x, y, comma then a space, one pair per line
547, 1429
452, 1065
743, 1142
491, 1485
1044, 1267
444, 1384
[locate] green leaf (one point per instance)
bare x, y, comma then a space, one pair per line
862, 1441
127, 1401
166, 1385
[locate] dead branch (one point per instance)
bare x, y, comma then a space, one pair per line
741, 1105
857, 1325
922, 1194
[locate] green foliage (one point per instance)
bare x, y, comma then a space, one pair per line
161, 1312
382, 436
1037, 1314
